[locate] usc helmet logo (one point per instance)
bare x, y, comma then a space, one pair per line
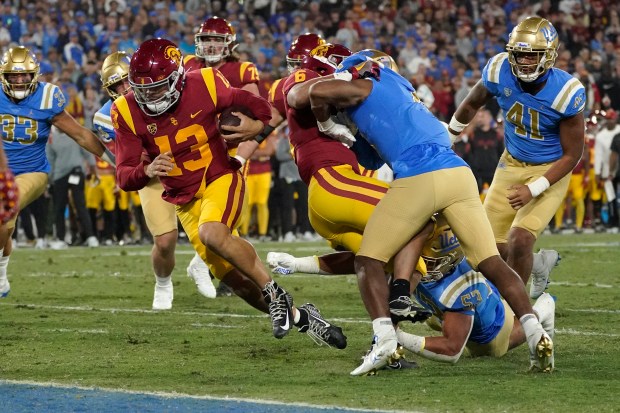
173, 53
320, 50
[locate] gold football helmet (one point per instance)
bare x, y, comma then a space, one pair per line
381, 57
19, 60
534, 35
115, 69
442, 251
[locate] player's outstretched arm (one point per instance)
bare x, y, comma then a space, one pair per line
475, 99
446, 348
83, 136
339, 94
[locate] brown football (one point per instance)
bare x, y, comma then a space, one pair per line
227, 118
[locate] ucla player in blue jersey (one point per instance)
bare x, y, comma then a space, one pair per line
544, 135
160, 215
28, 109
467, 308
429, 177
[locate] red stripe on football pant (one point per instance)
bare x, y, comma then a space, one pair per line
344, 193
346, 180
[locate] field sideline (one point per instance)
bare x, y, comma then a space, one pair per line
81, 317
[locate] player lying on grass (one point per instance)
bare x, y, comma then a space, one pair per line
466, 307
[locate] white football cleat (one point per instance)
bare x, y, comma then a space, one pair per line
281, 263
199, 272
383, 351
92, 242
162, 299
541, 352
5, 287
540, 273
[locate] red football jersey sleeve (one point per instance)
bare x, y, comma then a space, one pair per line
312, 149
192, 62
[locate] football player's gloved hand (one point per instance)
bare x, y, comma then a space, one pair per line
370, 70
337, 131
9, 197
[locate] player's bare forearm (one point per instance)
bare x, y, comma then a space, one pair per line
477, 97
81, 135
572, 138
298, 97
337, 93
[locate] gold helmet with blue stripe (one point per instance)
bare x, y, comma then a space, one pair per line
19, 60
115, 69
442, 251
534, 35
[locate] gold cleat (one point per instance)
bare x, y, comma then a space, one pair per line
544, 355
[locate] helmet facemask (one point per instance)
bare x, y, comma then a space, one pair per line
213, 47
157, 97
529, 72
19, 61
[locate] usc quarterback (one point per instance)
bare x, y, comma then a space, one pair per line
160, 215
166, 127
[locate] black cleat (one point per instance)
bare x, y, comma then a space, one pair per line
404, 309
321, 331
280, 309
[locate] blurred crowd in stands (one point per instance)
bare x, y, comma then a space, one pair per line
441, 46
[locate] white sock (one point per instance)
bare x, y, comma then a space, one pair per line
383, 327
308, 265
4, 262
531, 327
297, 316
163, 281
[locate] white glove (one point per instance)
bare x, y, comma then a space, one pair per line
337, 131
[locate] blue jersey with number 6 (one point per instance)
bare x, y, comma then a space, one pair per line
25, 127
532, 122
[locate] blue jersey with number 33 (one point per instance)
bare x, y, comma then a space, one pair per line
532, 122
25, 127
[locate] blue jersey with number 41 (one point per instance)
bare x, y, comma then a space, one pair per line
532, 122
25, 126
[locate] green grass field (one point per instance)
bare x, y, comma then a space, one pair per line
82, 317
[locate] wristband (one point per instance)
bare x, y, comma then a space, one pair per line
457, 126
346, 76
108, 157
538, 186
240, 159
264, 134
326, 125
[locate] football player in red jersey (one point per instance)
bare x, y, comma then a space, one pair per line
215, 43
166, 127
